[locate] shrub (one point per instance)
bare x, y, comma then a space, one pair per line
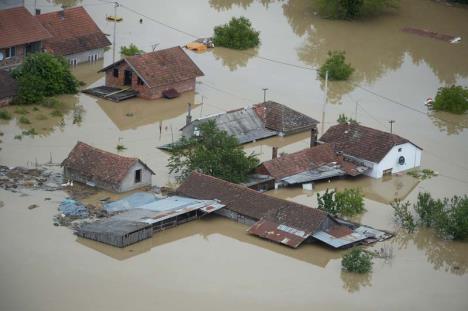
5, 115
348, 202
130, 50
21, 110
56, 113
120, 147
452, 99
336, 66
428, 209
42, 75
452, 222
237, 34
18, 137
24, 120
352, 9
357, 261
343, 119
31, 132
326, 202
402, 215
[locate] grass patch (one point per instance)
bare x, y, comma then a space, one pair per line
5, 115
21, 110
24, 120
35, 108
18, 137
423, 174
56, 113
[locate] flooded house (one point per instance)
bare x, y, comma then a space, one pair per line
257, 122
8, 4
75, 35
98, 168
275, 219
20, 34
163, 73
308, 165
381, 152
8, 88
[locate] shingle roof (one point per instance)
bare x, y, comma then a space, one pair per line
361, 141
163, 67
281, 118
18, 26
253, 204
8, 85
73, 31
307, 159
99, 164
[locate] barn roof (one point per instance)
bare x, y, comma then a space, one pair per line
253, 204
99, 164
18, 26
73, 31
163, 67
362, 142
8, 85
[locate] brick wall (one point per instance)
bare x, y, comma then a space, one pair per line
12, 62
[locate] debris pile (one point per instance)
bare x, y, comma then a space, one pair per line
17, 178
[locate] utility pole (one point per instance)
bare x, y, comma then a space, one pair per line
325, 101
391, 125
264, 94
116, 5
202, 104
355, 111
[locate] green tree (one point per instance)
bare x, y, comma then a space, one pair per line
213, 152
343, 119
130, 50
452, 99
452, 222
336, 66
402, 214
326, 202
237, 34
352, 9
42, 75
348, 202
428, 209
357, 261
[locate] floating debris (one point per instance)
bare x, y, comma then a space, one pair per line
16, 178
33, 206
432, 34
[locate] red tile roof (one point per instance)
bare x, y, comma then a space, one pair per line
281, 118
18, 26
304, 160
253, 204
362, 142
73, 31
99, 164
163, 67
8, 85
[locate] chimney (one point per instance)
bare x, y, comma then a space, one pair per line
274, 153
188, 119
38, 11
313, 137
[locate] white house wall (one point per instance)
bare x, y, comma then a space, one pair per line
412, 156
85, 57
129, 181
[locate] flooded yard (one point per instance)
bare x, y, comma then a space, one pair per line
213, 263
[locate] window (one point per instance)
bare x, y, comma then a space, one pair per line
116, 72
140, 82
401, 160
10, 52
137, 176
399, 149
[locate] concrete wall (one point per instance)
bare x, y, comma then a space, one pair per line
129, 181
143, 90
412, 156
85, 57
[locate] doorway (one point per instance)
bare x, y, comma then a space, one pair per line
128, 77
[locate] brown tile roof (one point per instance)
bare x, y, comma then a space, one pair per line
73, 31
99, 164
281, 118
8, 85
18, 26
163, 67
304, 160
253, 204
361, 141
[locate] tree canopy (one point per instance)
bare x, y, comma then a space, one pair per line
130, 50
348, 202
452, 99
42, 75
353, 9
237, 34
336, 66
357, 261
214, 153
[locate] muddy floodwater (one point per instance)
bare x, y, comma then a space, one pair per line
213, 264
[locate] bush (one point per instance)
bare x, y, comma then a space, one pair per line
120, 147
42, 75
357, 261
18, 137
348, 202
326, 202
427, 209
237, 34
24, 120
5, 115
343, 119
452, 99
21, 110
56, 113
336, 66
402, 215
130, 50
352, 9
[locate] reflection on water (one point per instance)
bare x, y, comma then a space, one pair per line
66, 3
234, 59
452, 124
353, 282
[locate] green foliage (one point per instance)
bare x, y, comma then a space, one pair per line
452, 99
336, 66
21, 110
120, 147
18, 137
402, 215
348, 202
24, 120
31, 132
52, 103
353, 9
42, 75
428, 209
56, 113
357, 261
130, 50
423, 174
35, 108
343, 119
237, 34
41, 117
214, 153
5, 115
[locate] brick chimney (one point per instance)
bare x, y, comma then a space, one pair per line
313, 137
274, 153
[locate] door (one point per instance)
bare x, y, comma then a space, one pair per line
128, 77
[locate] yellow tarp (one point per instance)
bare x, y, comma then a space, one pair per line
196, 46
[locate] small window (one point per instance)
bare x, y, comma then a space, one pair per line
116, 72
140, 82
399, 149
401, 160
10, 52
138, 176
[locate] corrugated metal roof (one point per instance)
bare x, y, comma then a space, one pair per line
339, 242
278, 233
323, 172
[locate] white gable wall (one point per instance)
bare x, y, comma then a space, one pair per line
129, 181
410, 152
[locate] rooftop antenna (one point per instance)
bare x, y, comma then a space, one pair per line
264, 94
391, 125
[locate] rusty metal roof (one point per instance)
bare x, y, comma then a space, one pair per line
278, 233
